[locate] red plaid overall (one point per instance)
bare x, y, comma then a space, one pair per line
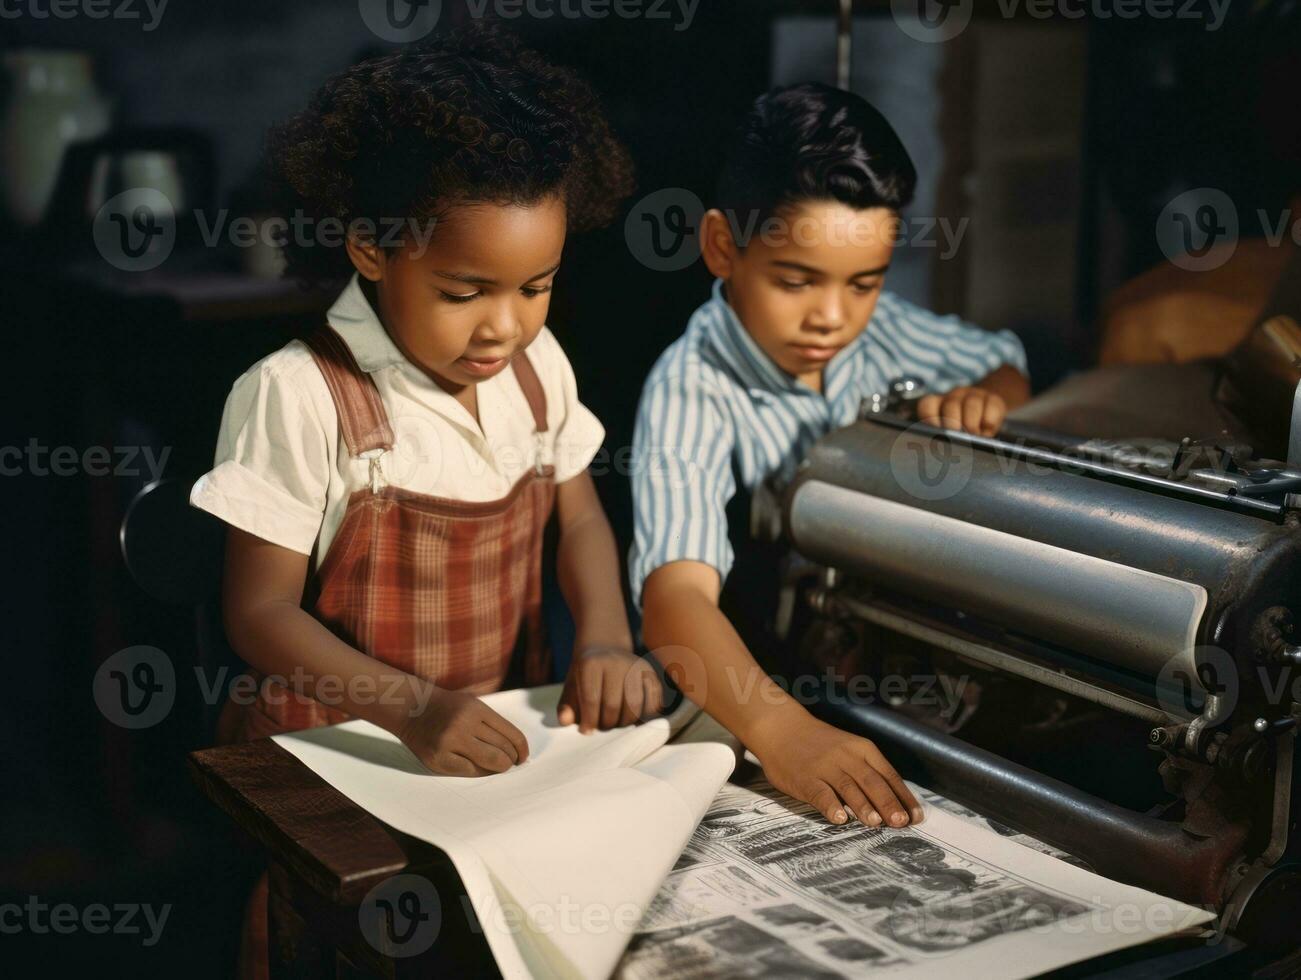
444, 589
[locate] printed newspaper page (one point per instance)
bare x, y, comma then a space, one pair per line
767, 888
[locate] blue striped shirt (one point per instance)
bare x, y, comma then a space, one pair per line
715, 409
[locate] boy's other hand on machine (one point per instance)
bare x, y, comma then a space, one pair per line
456, 734
608, 687
976, 410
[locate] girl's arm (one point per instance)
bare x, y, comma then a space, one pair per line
608, 684
449, 731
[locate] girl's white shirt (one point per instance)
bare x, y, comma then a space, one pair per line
282, 470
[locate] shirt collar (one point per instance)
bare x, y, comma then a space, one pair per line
740, 351
356, 321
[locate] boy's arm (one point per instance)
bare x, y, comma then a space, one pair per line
802, 756
608, 684
682, 480
449, 731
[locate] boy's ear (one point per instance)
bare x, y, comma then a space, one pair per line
717, 245
366, 256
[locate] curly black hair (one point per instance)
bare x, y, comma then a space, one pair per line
812, 142
470, 115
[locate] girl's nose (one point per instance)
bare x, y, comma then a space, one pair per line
501, 326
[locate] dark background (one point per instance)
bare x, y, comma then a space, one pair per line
1061, 140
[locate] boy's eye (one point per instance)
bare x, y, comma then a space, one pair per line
457, 297
864, 288
532, 291
791, 284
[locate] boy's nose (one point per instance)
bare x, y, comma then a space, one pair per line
826, 318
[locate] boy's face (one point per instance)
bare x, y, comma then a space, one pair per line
807, 286
476, 293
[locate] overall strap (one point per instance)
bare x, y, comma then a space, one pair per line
532, 388
362, 420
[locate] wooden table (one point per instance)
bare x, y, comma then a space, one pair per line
326, 854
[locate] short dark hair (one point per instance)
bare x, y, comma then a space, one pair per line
470, 115
813, 142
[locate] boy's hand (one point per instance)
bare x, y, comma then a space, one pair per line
608, 687
456, 734
977, 410
838, 773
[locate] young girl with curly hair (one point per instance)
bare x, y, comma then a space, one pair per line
387, 480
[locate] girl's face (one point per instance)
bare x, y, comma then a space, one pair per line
464, 302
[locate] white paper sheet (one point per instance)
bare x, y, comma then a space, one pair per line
559, 856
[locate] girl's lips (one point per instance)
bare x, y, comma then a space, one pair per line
482, 368
815, 353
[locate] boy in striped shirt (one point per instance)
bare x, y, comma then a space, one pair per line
797, 331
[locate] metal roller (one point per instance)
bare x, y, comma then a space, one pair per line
1134, 578
1085, 603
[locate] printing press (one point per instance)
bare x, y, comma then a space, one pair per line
1114, 585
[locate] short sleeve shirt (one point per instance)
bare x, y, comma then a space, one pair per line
716, 409
282, 471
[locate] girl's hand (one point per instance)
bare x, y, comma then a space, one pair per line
456, 734
608, 687
839, 773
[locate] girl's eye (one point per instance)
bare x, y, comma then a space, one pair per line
458, 298
532, 291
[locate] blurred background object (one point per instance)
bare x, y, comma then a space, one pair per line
52, 103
